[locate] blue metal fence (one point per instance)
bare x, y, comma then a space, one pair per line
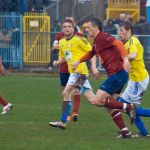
11, 40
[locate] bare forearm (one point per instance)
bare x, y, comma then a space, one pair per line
61, 60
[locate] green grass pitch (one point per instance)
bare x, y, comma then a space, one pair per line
37, 101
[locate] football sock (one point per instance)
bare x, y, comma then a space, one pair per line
66, 106
118, 120
140, 111
140, 125
76, 104
114, 104
2, 101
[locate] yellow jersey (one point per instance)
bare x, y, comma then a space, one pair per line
73, 49
138, 72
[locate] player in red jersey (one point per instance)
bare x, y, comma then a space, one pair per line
6, 106
64, 74
112, 55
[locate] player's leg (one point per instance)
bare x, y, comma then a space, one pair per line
67, 103
141, 86
140, 125
103, 96
76, 105
114, 84
66, 106
69, 90
144, 112
86, 86
3, 101
6, 105
63, 81
118, 120
116, 115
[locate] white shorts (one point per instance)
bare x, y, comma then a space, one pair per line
72, 81
135, 90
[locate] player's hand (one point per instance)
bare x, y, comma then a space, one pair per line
75, 64
2, 70
126, 65
55, 63
96, 73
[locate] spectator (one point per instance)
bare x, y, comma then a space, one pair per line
110, 27
56, 27
5, 38
129, 18
141, 20
122, 18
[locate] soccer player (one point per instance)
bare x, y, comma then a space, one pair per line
108, 50
71, 49
6, 106
64, 73
138, 75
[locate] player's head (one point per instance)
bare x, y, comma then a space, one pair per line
72, 19
125, 30
68, 27
94, 26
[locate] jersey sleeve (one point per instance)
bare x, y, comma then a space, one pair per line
121, 48
85, 45
132, 47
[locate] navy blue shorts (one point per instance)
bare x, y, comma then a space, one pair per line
115, 83
64, 78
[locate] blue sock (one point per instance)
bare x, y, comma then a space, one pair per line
66, 112
140, 111
140, 125
120, 99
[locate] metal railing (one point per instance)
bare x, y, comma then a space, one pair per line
11, 40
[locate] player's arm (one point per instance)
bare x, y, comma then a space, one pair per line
59, 61
95, 71
61, 58
121, 48
132, 52
2, 69
55, 45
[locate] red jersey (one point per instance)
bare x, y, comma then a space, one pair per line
64, 67
107, 53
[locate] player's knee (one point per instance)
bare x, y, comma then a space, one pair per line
99, 102
64, 93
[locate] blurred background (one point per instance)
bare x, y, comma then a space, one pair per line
28, 27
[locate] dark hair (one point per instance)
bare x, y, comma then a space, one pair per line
96, 22
127, 25
69, 21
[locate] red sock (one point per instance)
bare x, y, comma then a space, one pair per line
114, 104
118, 120
76, 104
2, 101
